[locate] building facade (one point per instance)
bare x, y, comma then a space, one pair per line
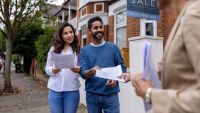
118, 27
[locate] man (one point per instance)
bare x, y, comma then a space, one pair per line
180, 70
101, 94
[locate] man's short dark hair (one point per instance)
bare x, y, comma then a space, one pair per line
93, 19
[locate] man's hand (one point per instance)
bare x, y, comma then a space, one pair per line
55, 70
91, 72
76, 69
111, 83
125, 76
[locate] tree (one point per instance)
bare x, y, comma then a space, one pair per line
2, 43
12, 14
43, 44
25, 41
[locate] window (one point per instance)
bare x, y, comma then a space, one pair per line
99, 7
83, 34
121, 17
120, 29
121, 37
84, 43
148, 28
83, 11
84, 31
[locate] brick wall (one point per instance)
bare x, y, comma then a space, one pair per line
164, 26
166, 23
133, 27
91, 8
111, 29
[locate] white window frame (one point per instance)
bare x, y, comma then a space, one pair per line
143, 28
116, 26
85, 35
82, 10
95, 7
82, 41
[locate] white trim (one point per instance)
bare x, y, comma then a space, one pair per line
85, 13
95, 7
120, 8
143, 29
88, 1
116, 26
85, 19
69, 12
85, 35
63, 16
119, 5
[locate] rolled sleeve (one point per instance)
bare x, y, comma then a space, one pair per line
49, 63
83, 64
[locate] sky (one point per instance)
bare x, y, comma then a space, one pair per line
57, 2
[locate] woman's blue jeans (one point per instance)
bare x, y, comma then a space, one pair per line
98, 103
63, 102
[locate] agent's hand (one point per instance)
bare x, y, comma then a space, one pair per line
55, 70
76, 69
141, 87
135, 77
111, 83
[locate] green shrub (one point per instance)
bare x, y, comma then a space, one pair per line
43, 45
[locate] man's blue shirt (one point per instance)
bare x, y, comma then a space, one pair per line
107, 55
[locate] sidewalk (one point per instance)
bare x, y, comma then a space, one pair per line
32, 99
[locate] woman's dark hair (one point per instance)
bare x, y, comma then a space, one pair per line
59, 43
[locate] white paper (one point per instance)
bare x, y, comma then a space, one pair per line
111, 73
150, 72
63, 60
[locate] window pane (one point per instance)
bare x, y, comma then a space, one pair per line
121, 37
149, 29
84, 30
121, 17
84, 42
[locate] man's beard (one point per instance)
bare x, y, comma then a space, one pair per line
96, 37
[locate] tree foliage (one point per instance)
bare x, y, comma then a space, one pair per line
12, 14
43, 45
25, 41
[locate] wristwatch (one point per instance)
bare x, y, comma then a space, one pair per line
148, 95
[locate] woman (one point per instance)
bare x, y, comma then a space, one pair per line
63, 84
180, 67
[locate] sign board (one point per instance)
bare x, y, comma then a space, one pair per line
144, 9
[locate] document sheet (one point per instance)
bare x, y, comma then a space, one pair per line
63, 60
112, 73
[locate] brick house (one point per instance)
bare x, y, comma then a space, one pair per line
117, 26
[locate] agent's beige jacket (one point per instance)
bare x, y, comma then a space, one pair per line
180, 73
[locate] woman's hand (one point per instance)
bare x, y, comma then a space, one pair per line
76, 69
55, 70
